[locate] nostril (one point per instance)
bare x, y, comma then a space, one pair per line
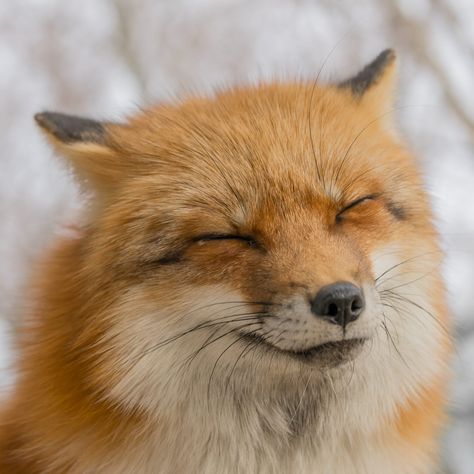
332, 309
356, 305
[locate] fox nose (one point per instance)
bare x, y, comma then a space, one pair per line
339, 303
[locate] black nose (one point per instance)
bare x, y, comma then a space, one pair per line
339, 303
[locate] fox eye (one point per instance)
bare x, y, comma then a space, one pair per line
250, 241
353, 204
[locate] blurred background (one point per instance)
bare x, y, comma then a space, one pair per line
105, 58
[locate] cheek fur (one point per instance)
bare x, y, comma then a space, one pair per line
155, 331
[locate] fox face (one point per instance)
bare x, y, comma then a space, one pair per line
256, 243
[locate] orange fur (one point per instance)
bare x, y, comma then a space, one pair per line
276, 162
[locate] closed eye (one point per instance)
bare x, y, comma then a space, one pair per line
250, 241
176, 256
356, 202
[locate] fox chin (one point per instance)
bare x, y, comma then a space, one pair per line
254, 287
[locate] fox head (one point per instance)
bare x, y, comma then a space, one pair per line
261, 242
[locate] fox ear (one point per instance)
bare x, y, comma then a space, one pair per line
85, 143
375, 83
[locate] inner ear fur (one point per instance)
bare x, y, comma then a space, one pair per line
84, 142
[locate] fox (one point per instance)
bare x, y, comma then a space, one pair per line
254, 286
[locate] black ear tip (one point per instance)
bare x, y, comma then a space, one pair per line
370, 74
41, 118
70, 128
50, 121
386, 57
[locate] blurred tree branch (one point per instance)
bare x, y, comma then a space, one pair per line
450, 16
124, 10
418, 33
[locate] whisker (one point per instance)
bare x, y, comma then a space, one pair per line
404, 313
310, 109
236, 304
359, 176
208, 342
403, 262
242, 336
399, 297
401, 285
251, 344
335, 174
352, 362
390, 338
301, 399
189, 360
205, 325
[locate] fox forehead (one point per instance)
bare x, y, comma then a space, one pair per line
270, 145
280, 130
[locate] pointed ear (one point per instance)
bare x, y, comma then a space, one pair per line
375, 84
84, 142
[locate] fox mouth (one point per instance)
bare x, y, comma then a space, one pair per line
331, 353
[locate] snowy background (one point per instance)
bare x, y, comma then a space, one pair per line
106, 57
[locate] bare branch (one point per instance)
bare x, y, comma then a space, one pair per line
125, 46
419, 36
